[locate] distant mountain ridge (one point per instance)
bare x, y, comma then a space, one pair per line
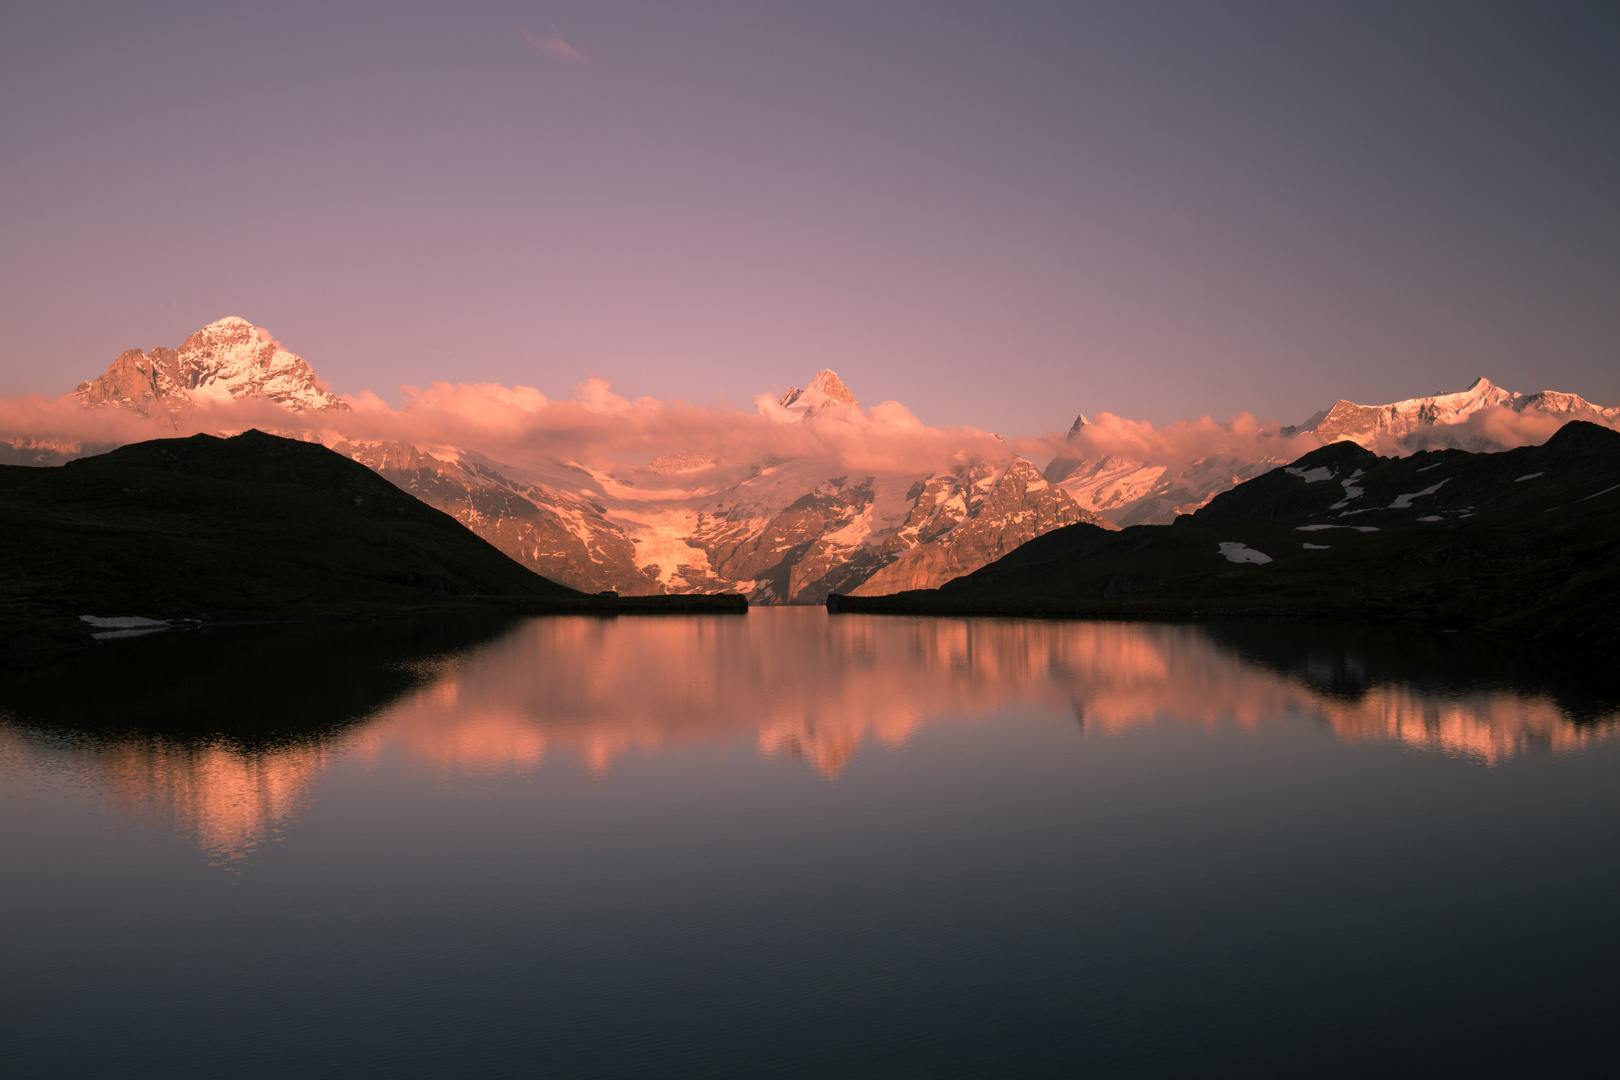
1132, 491
781, 531
1523, 541
1424, 420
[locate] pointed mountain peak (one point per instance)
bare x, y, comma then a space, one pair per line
232, 329
825, 389
228, 359
828, 382
1079, 422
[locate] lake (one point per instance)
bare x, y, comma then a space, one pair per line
792, 844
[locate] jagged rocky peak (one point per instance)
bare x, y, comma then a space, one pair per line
227, 359
825, 389
1064, 465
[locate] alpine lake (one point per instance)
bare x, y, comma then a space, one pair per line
793, 844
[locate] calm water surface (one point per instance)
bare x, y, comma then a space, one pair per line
783, 844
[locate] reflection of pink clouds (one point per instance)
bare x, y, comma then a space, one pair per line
1488, 727
233, 801
796, 683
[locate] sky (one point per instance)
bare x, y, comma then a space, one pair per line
998, 214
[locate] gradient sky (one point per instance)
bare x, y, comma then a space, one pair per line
998, 214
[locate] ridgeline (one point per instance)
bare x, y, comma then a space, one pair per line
1525, 542
246, 529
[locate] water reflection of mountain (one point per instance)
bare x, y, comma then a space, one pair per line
796, 682
1484, 696
223, 732
226, 737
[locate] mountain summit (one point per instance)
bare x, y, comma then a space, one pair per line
825, 389
1423, 420
1133, 491
227, 359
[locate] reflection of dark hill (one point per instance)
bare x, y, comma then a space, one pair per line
247, 685
1348, 659
252, 527
1526, 541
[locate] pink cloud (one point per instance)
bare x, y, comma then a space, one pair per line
522, 426
1182, 442
553, 45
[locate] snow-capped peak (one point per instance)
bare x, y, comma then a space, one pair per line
1365, 423
230, 323
825, 389
227, 359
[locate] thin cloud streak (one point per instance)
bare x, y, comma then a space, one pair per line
553, 45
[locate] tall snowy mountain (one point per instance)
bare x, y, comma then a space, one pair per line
1134, 491
227, 359
781, 531
826, 389
1423, 423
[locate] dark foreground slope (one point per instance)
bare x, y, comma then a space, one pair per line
1526, 541
253, 527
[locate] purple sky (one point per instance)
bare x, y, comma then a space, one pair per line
996, 214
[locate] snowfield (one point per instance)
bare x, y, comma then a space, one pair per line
1242, 553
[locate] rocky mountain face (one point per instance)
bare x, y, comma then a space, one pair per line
961, 521
786, 533
563, 539
779, 531
1138, 492
227, 359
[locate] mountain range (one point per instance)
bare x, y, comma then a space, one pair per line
250, 528
1132, 490
777, 527
1525, 541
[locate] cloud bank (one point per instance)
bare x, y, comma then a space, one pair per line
1243, 437
520, 425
